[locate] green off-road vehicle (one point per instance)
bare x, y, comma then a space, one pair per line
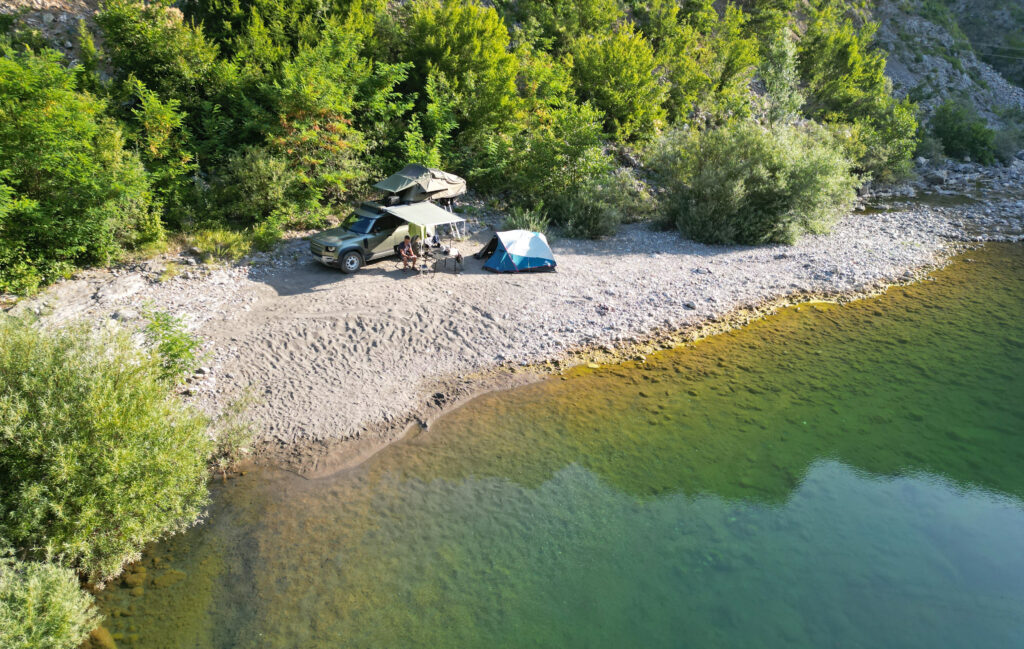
376, 228
372, 234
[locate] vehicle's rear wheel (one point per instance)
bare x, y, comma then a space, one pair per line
351, 262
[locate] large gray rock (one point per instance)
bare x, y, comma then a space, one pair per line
935, 178
120, 288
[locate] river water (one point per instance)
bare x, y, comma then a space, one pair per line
831, 476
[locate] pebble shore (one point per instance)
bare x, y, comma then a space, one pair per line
332, 358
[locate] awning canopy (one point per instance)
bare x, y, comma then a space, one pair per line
418, 183
424, 214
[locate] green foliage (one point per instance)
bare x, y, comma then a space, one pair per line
257, 187
426, 137
221, 244
847, 87
97, 456
783, 98
177, 349
524, 218
42, 607
559, 22
752, 185
707, 59
468, 44
232, 435
615, 72
963, 133
74, 194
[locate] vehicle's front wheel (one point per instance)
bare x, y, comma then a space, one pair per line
351, 262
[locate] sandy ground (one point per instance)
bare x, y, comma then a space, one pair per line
341, 364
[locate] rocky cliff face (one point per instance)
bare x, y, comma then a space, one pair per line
932, 59
56, 20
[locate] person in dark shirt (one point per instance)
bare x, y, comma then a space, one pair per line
407, 253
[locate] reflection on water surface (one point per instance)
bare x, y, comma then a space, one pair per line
829, 477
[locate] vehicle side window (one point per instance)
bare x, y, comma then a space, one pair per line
386, 223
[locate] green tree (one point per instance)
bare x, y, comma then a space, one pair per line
318, 99
616, 72
706, 58
559, 22
777, 69
846, 86
963, 133
97, 455
469, 44
42, 607
74, 194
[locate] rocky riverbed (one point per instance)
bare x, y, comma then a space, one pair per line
340, 365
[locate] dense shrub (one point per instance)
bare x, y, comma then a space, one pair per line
556, 161
963, 133
97, 457
256, 187
177, 349
615, 72
42, 607
750, 185
846, 86
73, 194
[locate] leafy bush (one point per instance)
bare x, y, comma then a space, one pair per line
256, 186
751, 185
616, 73
557, 162
177, 349
524, 218
97, 456
72, 194
963, 133
42, 607
220, 243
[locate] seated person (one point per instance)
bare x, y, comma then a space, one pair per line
406, 251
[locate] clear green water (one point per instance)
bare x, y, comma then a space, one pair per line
833, 476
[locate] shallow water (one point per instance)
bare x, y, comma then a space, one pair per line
832, 476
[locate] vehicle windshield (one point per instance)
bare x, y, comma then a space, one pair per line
361, 225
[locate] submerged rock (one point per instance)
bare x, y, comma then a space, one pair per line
100, 638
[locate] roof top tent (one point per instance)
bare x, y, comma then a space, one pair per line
416, 183
428, 216
517, 251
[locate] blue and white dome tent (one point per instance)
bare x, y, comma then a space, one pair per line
517, 251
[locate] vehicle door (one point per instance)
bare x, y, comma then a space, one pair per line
378, 244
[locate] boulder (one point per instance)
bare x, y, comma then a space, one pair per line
935, 178
122, 287
133, 580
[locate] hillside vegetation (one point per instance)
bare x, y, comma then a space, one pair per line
261, 115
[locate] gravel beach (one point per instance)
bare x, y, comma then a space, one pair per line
340, 365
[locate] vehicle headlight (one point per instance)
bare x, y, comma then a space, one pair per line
330, 248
